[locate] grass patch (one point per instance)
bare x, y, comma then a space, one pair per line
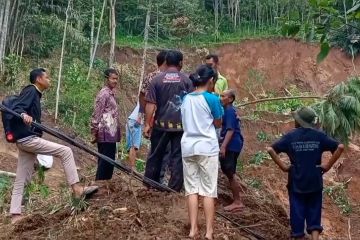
36, 189
338, 195
259, 158
254, 183
5, 185
263, 136
200, 40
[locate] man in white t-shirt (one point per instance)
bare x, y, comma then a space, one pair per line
133, 134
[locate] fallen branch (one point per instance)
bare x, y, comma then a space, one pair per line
277, 99
133, 192
349, 228
250, 226
9, 174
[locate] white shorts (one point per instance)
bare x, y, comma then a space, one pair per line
201, 175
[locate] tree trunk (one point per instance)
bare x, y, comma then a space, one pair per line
157, 22
216, 11
4, 32
2, 10
146, 38
113, 28
96, 40
14, 28
92, 29
22, 44
61, 61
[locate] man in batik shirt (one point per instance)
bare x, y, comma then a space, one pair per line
105, 124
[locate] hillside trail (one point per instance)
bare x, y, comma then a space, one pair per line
113, 211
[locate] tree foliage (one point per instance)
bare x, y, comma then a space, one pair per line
333, 23
339, 113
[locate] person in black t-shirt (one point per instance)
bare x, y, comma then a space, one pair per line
304, 146
164, 98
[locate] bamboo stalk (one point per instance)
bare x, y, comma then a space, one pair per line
9, 174
277, 99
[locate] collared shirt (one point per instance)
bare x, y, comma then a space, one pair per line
105, 122
221, 84
37, 88
27, 102
146, 82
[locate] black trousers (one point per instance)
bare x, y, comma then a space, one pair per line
105, 170
159, 140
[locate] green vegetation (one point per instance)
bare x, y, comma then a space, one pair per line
259, 158
35, 30
37, 188
5, 185
281, 106
340, 111
285, 106
263, 137
333, 22
339, 195
254, 183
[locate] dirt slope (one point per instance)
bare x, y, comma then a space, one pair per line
282, 62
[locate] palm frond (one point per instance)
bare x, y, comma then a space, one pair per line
354, 86
339, 114
328, 118
338, 91
349, 103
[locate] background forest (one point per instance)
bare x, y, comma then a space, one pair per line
66, 35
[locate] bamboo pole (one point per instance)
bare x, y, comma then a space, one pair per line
279, 98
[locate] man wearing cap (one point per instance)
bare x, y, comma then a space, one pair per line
304, 146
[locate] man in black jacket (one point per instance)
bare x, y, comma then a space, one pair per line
30, 143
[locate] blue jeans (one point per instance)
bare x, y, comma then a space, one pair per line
305, 207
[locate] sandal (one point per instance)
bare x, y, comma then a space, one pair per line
89, 191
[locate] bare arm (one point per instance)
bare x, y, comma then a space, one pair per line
277, 159
227, 138
217, 123
142, 102
149, 113
326, 167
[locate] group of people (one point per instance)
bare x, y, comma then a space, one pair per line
193, 128
179, 113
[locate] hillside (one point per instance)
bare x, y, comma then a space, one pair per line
254, 68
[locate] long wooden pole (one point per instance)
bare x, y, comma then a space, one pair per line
278, 99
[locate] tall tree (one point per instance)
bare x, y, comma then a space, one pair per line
61, 60
96, 40
216, 13
4, 31
112, 31
146, 39
92, 29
